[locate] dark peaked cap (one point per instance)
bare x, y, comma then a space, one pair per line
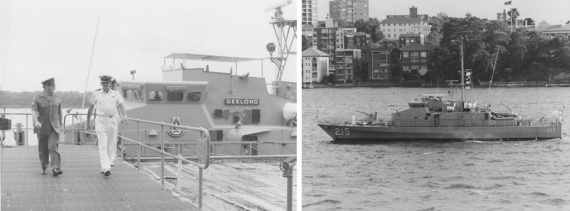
50, 81
105, 78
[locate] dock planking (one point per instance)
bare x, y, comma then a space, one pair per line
81, 186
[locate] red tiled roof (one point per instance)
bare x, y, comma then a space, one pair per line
307, 27
557, 29
391, 20
314, 52
415, 47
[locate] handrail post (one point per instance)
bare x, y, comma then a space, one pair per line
289, 193
162, 155
26, 135
200, 188
178, 178
139, 145
76, 141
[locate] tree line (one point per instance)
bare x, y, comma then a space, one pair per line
69, 99
490, 50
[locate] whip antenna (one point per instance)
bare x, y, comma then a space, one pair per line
90, 61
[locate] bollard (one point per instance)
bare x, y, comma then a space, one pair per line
287, 167
19, 136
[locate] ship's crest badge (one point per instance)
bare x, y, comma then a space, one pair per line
175, 131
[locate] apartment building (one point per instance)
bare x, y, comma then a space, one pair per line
315, 65
309, 15
395, 25
349, 10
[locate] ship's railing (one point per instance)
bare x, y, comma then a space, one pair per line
19, 129
78, 126
516, 83
526, 122
344, 121
187, 147
202, 154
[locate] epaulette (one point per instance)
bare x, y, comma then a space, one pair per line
98, 89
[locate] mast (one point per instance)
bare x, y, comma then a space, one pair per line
494, 65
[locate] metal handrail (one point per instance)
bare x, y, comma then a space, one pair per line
65, 119
27, 128
446, 122
204, 135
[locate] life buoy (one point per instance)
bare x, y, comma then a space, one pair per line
492, 122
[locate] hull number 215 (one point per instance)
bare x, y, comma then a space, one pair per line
342, 131
551, 130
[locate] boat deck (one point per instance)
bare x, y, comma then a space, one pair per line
81, 186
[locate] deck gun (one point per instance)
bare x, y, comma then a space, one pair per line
369, 116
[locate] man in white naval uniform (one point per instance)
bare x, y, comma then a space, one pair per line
107, 102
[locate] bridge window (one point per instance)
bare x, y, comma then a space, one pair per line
216, 135
249, 138
193, 96
255, 115
175, 96
132, 94
137, 95
155, 96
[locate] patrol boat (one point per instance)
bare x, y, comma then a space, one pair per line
243, 118
434, 118
437, 119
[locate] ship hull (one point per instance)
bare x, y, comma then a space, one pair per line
385, 133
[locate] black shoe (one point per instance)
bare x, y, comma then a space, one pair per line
43, 171
57, 172
107, 173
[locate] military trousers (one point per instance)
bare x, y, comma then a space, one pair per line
106, 130
47, 146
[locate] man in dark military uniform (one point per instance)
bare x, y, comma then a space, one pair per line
46, 114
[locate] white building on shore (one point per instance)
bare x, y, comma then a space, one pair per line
315, 65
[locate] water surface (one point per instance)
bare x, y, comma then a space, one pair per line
422, 175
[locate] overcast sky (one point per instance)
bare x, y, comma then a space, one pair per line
551, 11
41, 39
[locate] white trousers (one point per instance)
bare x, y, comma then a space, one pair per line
106, 129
